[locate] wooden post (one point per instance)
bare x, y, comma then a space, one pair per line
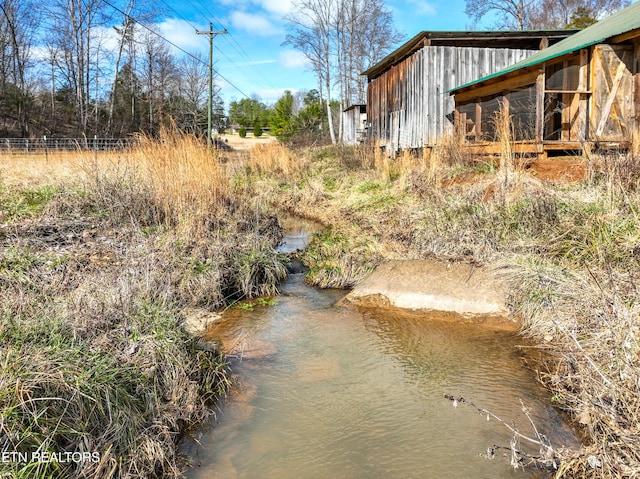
583, 87
565, 129
478, 123
635, 135
540, 80
459, 128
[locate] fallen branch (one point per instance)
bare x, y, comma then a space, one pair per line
548, 457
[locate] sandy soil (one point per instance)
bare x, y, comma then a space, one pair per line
238, 143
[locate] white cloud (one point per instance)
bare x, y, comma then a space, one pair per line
182, 34
422, 7
39, 53
281, 7
254, 24
292, 59
278, 7
259, 62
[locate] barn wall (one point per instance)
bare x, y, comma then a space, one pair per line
587, 95
353, 124
350, 125
408, 106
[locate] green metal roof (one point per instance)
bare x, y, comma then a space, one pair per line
620, 22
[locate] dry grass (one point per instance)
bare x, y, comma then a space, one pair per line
29, 170
570, 254
274, 158
95, 272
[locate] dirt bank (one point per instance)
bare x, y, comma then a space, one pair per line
472, 293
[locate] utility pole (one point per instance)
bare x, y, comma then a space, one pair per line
211, 34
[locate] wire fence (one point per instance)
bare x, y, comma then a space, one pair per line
26, 145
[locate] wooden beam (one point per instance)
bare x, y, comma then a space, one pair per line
523, 78
540, 81
478, 121
583, 78
625, 37
565, 132
606, 109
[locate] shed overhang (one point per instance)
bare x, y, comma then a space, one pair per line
625, 22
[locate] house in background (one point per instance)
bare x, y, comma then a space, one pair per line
581, 93
354, 124
408, 105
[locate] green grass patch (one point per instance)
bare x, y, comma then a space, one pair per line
17, 204
367, 186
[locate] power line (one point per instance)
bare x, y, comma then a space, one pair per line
238, 49
233, 43
199, 60
154, 32
211, 35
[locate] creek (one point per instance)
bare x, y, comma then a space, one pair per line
325, 391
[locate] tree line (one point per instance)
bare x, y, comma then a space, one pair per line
541, 14
92, 67
89, 67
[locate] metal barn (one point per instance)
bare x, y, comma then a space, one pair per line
408, 105
581, 93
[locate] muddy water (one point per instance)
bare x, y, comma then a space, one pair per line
339, 392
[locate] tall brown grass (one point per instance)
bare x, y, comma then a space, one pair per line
274, 158
95, 276
182, 182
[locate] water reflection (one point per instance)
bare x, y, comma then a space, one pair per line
347, 393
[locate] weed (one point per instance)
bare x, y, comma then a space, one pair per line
266, 301
93, 356
368, 186
336, 261
16, 204
244, 305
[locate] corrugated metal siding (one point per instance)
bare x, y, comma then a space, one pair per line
408, 105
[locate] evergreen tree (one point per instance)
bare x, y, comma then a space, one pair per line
582, 18
283, 120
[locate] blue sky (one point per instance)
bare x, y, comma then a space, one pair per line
252, 57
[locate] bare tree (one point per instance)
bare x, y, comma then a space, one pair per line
341, 38
364, 34
129, 36
511, 14
539, 14
193, 87
17, 26
72, 24
312, 34
125, 32
561, 13
160, 76
378, 38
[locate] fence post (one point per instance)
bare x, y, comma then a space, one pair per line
46, 150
